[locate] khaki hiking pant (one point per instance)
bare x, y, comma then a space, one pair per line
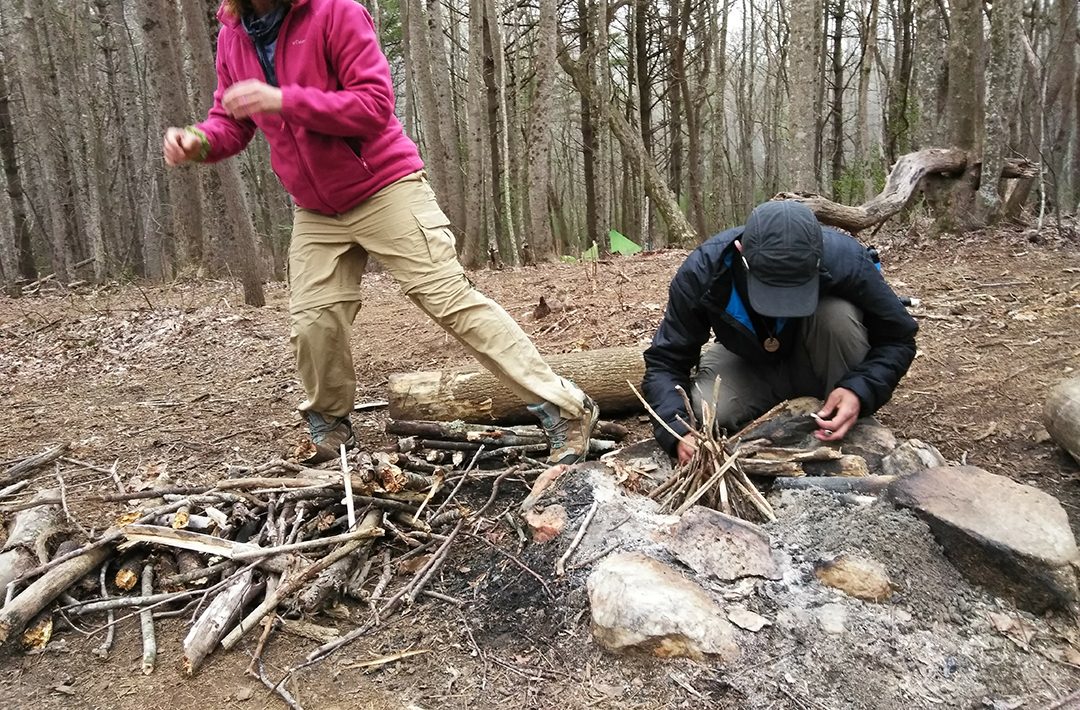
403, 227
832, 342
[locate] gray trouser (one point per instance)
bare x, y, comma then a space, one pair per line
831, 342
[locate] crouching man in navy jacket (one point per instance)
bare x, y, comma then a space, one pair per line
797, 310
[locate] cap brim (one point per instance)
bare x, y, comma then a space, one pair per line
782, 301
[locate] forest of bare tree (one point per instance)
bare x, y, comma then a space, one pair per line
544, 124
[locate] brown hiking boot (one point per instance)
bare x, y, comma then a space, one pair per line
568, 438
327, 436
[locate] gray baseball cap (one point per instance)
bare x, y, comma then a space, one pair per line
782, 248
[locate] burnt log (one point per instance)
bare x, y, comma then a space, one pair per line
906, 175
473, 394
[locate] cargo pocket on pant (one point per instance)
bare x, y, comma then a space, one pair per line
437, 233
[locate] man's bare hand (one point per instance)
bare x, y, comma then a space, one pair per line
686, 449
838, 415
181, 146
251, 96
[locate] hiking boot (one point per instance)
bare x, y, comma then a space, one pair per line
327, 436
568, 438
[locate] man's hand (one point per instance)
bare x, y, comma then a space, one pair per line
251, 96
838, 415
181, 146
686, 449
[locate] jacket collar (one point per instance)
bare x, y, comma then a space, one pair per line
230, 20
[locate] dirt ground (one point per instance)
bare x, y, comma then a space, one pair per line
187, 378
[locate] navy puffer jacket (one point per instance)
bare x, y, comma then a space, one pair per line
700, 303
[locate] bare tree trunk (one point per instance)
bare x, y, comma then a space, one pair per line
679, 229
693, 101
898, 127
452, 196
603, 115
441, 161
166, 71
539, 237
243, 244
70, 70
590, 141
474, 245
839, 8
42, 116
25, 266
1002, 79
493, 79
931, 37
964, 110
804, 20
745, 109
863, 150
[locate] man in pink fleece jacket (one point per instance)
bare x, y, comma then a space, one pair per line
310, 75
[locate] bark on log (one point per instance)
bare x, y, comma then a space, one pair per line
1061, 415
30, 534
901, 184
15, 615
475, 395
220, 614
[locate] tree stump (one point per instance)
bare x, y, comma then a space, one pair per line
475, 395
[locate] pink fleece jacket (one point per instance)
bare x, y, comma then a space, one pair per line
336, 141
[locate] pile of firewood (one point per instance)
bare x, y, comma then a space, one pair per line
262, 548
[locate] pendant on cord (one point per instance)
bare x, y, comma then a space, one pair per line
771, 345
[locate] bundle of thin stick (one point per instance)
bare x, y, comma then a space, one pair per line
714, 476
280, 542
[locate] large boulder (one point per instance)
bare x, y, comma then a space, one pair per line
639, 603
1012, 538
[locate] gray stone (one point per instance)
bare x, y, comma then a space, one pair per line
909, 457
832, 618
721, 546
1011, 538
639, 603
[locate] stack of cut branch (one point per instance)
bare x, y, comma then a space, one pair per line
250, 552
452, 444
714, 476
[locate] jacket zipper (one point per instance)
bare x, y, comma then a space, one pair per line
288, 129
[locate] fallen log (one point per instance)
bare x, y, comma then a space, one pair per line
25, 606
1061, 415
901, 184
473, 394
30, 534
